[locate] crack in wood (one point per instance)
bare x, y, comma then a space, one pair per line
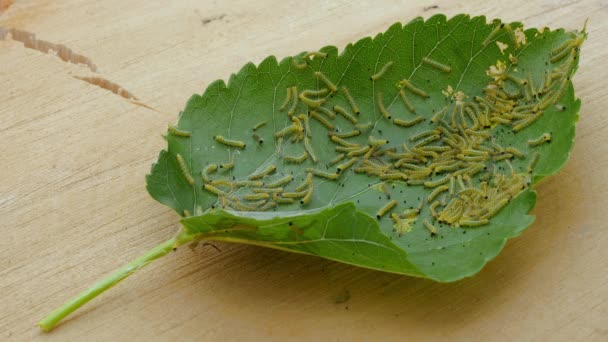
113, 88
30, 41
108, 85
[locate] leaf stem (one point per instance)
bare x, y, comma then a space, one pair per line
51, 320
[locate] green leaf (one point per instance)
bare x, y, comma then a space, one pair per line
460, 100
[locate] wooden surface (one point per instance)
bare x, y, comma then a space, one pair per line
73, 204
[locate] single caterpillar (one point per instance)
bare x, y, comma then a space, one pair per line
345, 114
322, 120
177, 132
310, 102
351, 101
436, 65
326, 80
322, 174
343, 142
345, 135
306, 199
268, 170
230, 143
227, 166
492, 35
286, 102
296, 159
415, 90
337, 159
184, 169
404, 123
438, 190
546, 137
310, 151
260, 124
280, 182
406, 101
386, 208
212, 189
346, 165
382, 71
430, 227
294, 103
207, 170
256, 196
383, 110
473, 223
362, 150
439, 115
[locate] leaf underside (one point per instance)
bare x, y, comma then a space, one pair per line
450, 123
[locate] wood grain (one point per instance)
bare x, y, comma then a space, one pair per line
73, 204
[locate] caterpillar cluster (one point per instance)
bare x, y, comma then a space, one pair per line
453, 156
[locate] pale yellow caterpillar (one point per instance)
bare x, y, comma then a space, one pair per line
310, 102
177, 132
210, 188
346, 165
256, 196
404, 123
406, 101
306, 199
310, 151
546, 137
207, 170
430, 227
287, 130
386, 208
346, 114
230, 143
383, 110
382, 71
294, 104
376, 142
280, 182
343, 142
298, 194
246, 184
351, 100
345, 135
439, 115
327, 112
438, 182
268, 170
473, 223
411, 87
260, 124
393, 176
322, 174
184, 169
438, 190
296, 159
326, 80
322, 120
436, 65
287, 100
492, 35
337, 159
514, 152
359, 152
